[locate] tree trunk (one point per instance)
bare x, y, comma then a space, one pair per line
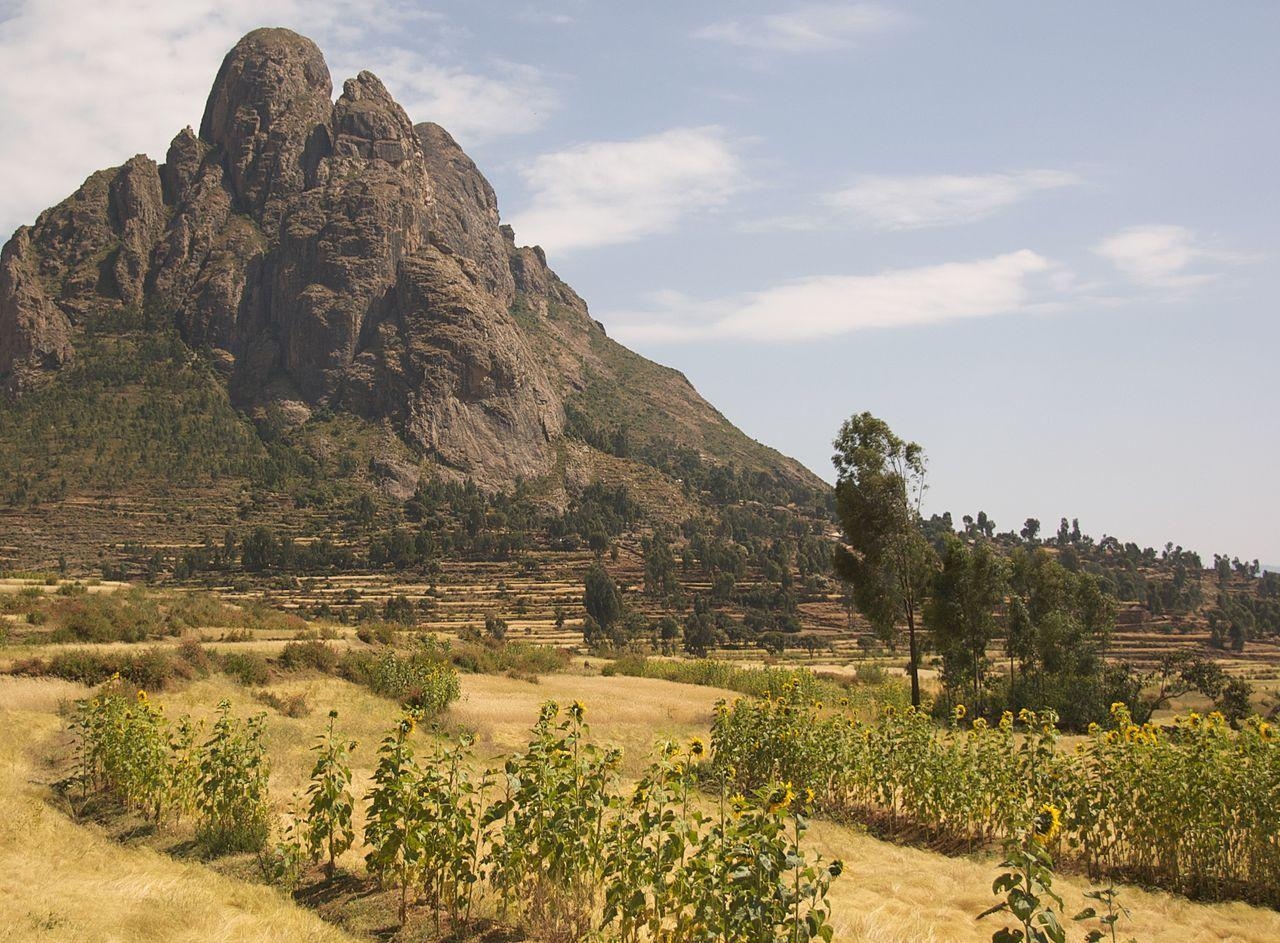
914, 664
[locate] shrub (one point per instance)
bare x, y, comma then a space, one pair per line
249, 668
107, 617
152, 669
377, 633
195, 655
418, 680
762, 682
313, 654
519, 658
399, 609
495, 627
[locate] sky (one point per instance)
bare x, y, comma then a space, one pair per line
1039, 239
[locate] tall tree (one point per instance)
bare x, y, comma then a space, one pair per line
600, 597
659, 566
885, 557
961, 613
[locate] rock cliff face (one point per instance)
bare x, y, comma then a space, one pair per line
330, 255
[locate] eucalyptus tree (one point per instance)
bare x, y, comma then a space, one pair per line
885, 556
961, 613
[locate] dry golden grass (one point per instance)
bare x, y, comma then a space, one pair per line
892, 894
631, 713
61, 881
64, 882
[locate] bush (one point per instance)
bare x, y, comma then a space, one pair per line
314, 654
419, 680
761, 682
153, 669
114, 617
377, 633
249, 668
520, 658
195, 655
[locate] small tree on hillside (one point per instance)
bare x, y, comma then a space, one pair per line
700, 629
886, 558
600, 597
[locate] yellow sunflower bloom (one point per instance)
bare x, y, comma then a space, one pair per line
1047, 824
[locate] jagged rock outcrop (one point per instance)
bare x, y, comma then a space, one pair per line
268, 115
332, 255
35, 334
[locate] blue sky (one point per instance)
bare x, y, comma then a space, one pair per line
1040, 239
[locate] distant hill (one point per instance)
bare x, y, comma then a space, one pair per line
305, 301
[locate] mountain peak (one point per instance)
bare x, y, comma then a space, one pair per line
333, 257
272, 89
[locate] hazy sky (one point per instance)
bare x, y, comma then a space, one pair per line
1040, 239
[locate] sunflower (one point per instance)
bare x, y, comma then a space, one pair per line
577, 711
959, 711
1047, 824
780, 799
697, 747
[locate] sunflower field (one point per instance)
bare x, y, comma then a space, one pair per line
1193, 807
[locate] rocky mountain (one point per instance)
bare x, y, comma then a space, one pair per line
328, 258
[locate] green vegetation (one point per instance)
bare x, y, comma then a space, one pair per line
1186, 809
127, 751
764, 681
1047, 601
419, 680
327, 831
132, 406
885, 557
232, 808
551, 837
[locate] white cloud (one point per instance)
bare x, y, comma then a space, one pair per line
831, 305
89, 83
608, 192
1157, 257
811, 28
919, 201
470, 106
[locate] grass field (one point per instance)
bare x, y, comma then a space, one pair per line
60, 880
